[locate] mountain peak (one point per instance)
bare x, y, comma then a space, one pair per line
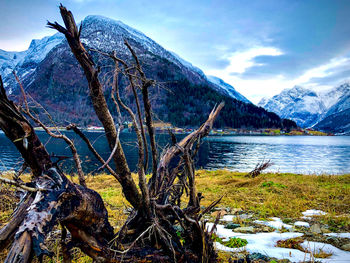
308, 107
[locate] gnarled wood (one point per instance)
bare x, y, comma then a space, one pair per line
150, 232
99, 103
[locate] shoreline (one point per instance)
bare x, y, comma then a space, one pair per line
217, 132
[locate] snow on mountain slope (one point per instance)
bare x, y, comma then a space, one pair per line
307, 107
105, 34
9, 60
25, 62
228, 88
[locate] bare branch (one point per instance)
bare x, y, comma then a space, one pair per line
70, 143
100, 105
146, 83
73, 127
259, 168
20, 185
141, 171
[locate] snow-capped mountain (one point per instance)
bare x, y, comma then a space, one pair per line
228, 88
24, 62
307, 107
51, 75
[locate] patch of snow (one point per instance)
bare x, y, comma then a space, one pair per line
275, 223
338, 255
312, 212
302, 223
228, 218
340, 235
265, 243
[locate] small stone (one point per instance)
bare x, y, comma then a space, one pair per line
215, 214
248, 229
346, 247
332, 240
315, 228
244, 216
266, 229
308, 234
257, 257
232, 226
226, 209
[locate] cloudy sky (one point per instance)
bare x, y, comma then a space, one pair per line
259, 47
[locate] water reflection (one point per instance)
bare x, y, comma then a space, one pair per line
296, 154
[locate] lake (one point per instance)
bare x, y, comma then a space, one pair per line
294, 154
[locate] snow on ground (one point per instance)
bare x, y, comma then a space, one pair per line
275, 223
341, 235
302, 223
228, 218
265, 243
338, 255
312, 212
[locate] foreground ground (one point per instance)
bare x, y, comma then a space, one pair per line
248, 206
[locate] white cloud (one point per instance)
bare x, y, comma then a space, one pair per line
256, 89
240, 61
322, 71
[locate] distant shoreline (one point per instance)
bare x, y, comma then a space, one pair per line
218, 132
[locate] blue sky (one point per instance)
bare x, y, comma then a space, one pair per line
259, 47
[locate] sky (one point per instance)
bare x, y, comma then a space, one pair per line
259, 47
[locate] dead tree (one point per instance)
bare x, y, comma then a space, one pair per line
158, 229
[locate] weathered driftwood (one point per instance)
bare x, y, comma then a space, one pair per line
157, 229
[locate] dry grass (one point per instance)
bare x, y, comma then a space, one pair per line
282, 195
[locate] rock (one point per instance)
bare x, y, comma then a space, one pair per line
258, 257
227, 209
266, 229
346, 247
315, 228
248, 229
308, 234
332, 240
232, 226
235, 210
215, 214
244, 216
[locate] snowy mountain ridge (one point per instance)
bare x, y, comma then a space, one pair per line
307, 107
25, 62
228, 88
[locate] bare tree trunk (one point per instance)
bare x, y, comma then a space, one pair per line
79, 209
99, 103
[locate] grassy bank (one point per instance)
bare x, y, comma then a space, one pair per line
281, 195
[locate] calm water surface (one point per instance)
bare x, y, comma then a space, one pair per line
295, 154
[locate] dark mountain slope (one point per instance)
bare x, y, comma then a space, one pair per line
183, 95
